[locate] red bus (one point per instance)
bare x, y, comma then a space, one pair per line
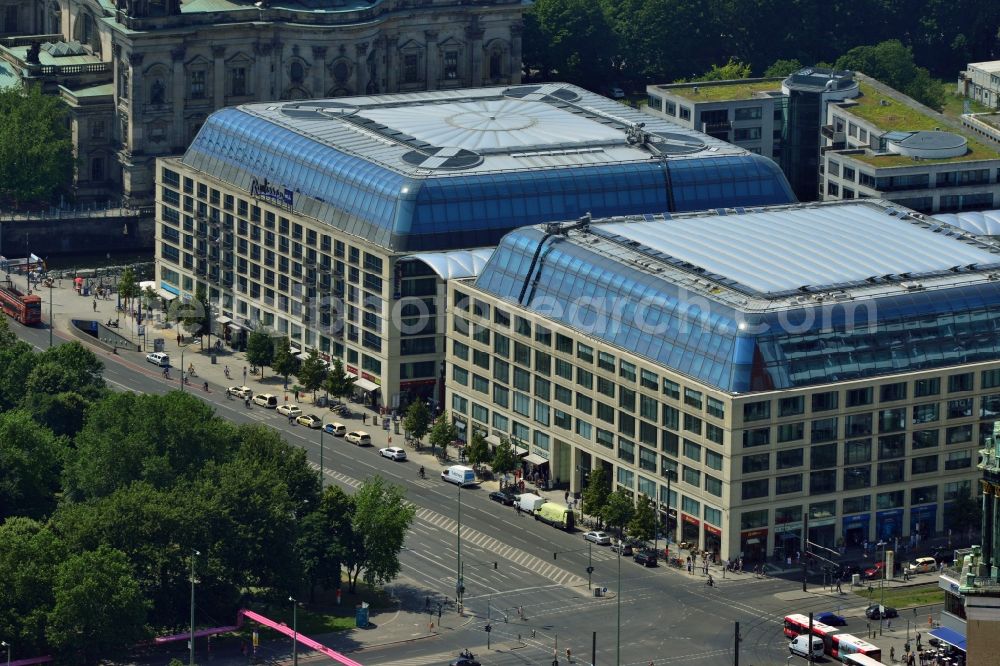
845, 644
799, 624
26, 308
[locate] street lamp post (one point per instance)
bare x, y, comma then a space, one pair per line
182, 370
9, 648
321, 473
51, 323
194, 553
459, 587
881, 585
618, 633
295, 631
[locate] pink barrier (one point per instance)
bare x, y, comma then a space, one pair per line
305, 640
33, 660
198, 634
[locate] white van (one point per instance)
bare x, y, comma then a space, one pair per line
265, 400
159, 358
530, 502
459, 475
799, 646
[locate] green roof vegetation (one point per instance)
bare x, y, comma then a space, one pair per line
898, 115
713, 92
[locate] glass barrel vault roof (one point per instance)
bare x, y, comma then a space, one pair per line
457, 169
703, 324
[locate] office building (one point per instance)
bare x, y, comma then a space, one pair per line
336, 222
141, 76
981, 82
882, 144
839, 361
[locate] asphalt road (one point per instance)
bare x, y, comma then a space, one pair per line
666, 616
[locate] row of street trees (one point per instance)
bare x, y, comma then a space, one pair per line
105, 495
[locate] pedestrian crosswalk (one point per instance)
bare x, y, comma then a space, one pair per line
516, 555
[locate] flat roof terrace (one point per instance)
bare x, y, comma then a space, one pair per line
723, 91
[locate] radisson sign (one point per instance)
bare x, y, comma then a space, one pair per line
263, 189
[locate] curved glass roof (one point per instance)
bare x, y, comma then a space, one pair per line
456, 264
677, 318
370, 167
980, 223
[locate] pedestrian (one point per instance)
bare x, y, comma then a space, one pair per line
517, 509
439, 613
95, 305
892, 654
566, 496
427, 602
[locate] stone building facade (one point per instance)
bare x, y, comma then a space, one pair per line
167, 64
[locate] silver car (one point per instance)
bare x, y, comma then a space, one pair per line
598, 537
393, 453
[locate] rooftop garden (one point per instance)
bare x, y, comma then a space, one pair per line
724, 91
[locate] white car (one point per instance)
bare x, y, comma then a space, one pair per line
290, 410
241, 392
598, 537
159, 358
265, 400
393, 453
359, 437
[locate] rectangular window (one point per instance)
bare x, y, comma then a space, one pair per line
522, 403
757, 411
926, 413
605, 412
605, 438
958, 435
648, 407
648, 433
924, 439
714, 433
890, 500
960, 382
480, 384
606, 361
543, 362
713, 460
460, 350
501, 371
753, 519
563, 395
671, 389
501, 396
790, 458
858, 397
543, 335
924, 465
891, 392
791, 406
584, 404
691, 476
627, 371
606, 387
647, 459
823, 456
692, 450
759, 462
648, 380
564, 344
862, 504
584, 352
542, 387
755, 489
857, 425
715, 407
824, 430
564, 369
923, 495
958, 460
790, 483
791, 432
522, 379
522, 326
692, 424
541, 413
501, 345
584, 429
692, 398
822, 482
961, 408
671, 417
585, 378
891, 472
460, 375
892, 446
481, 359
856, 478
522, 354
501, 317
759, 437
857, 451
669, 442
990, 378
892, 420
927, 387
713, 485
822, 402
562, 419
626, 399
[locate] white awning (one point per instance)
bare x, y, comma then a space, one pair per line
223, 319
303, 356
233, 326
147, 284
366, 385
493, 440
294, 350
165, 295
519, 452
535, 459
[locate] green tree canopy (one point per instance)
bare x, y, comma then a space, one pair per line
571, 37
595, 495
284, 362
36, 146
477, 451
312, 372
260, 350
380, 521
618, 510
338, 383
733, 69
443, 433
29, 554
196, 314
324, 539
128, 286
892, 63
643, 523
99, 610
31, 464
783, 67
417, 420
504, 461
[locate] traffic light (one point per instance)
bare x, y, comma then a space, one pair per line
590, 570
489, 628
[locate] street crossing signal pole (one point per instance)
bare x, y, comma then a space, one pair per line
459, 586
736, 646
803, 553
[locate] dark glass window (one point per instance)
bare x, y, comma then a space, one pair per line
789, 458
822, 482
856, 478
791, 406
755, 489
891, 472
822, 402
823, 456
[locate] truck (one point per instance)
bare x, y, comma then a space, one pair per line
25, 308
460, 475
529, 502
557, 515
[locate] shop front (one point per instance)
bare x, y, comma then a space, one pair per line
855, 529
923, 520
822, 532
366, 387
753, 544
889, 524
690, 530
713, 540
787, 540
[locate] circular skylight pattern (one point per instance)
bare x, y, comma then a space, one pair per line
443, 158
668, 143
555, 91
494, 125
317, 110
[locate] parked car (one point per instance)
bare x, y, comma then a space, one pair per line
241, 392
875, 612
625, 548
336, 429
310, 421
289, 409
503, 497
265, 400
393, 453
359, 437
646, 558
875, 571
159, 358
831, 619
598, 537
922, 565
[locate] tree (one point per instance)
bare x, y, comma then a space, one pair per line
29, 554
68, 367
618, 510
324, 539
197, 314
260, 350
381, 519
572, 37
442, 434
643, 523
36, 146
284, 362
504, 461
892, 63
99, 610
417, 421
733, 69
128, 286
339, 383
312, 372
595, 495
783, 67
477, 451
32, 463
